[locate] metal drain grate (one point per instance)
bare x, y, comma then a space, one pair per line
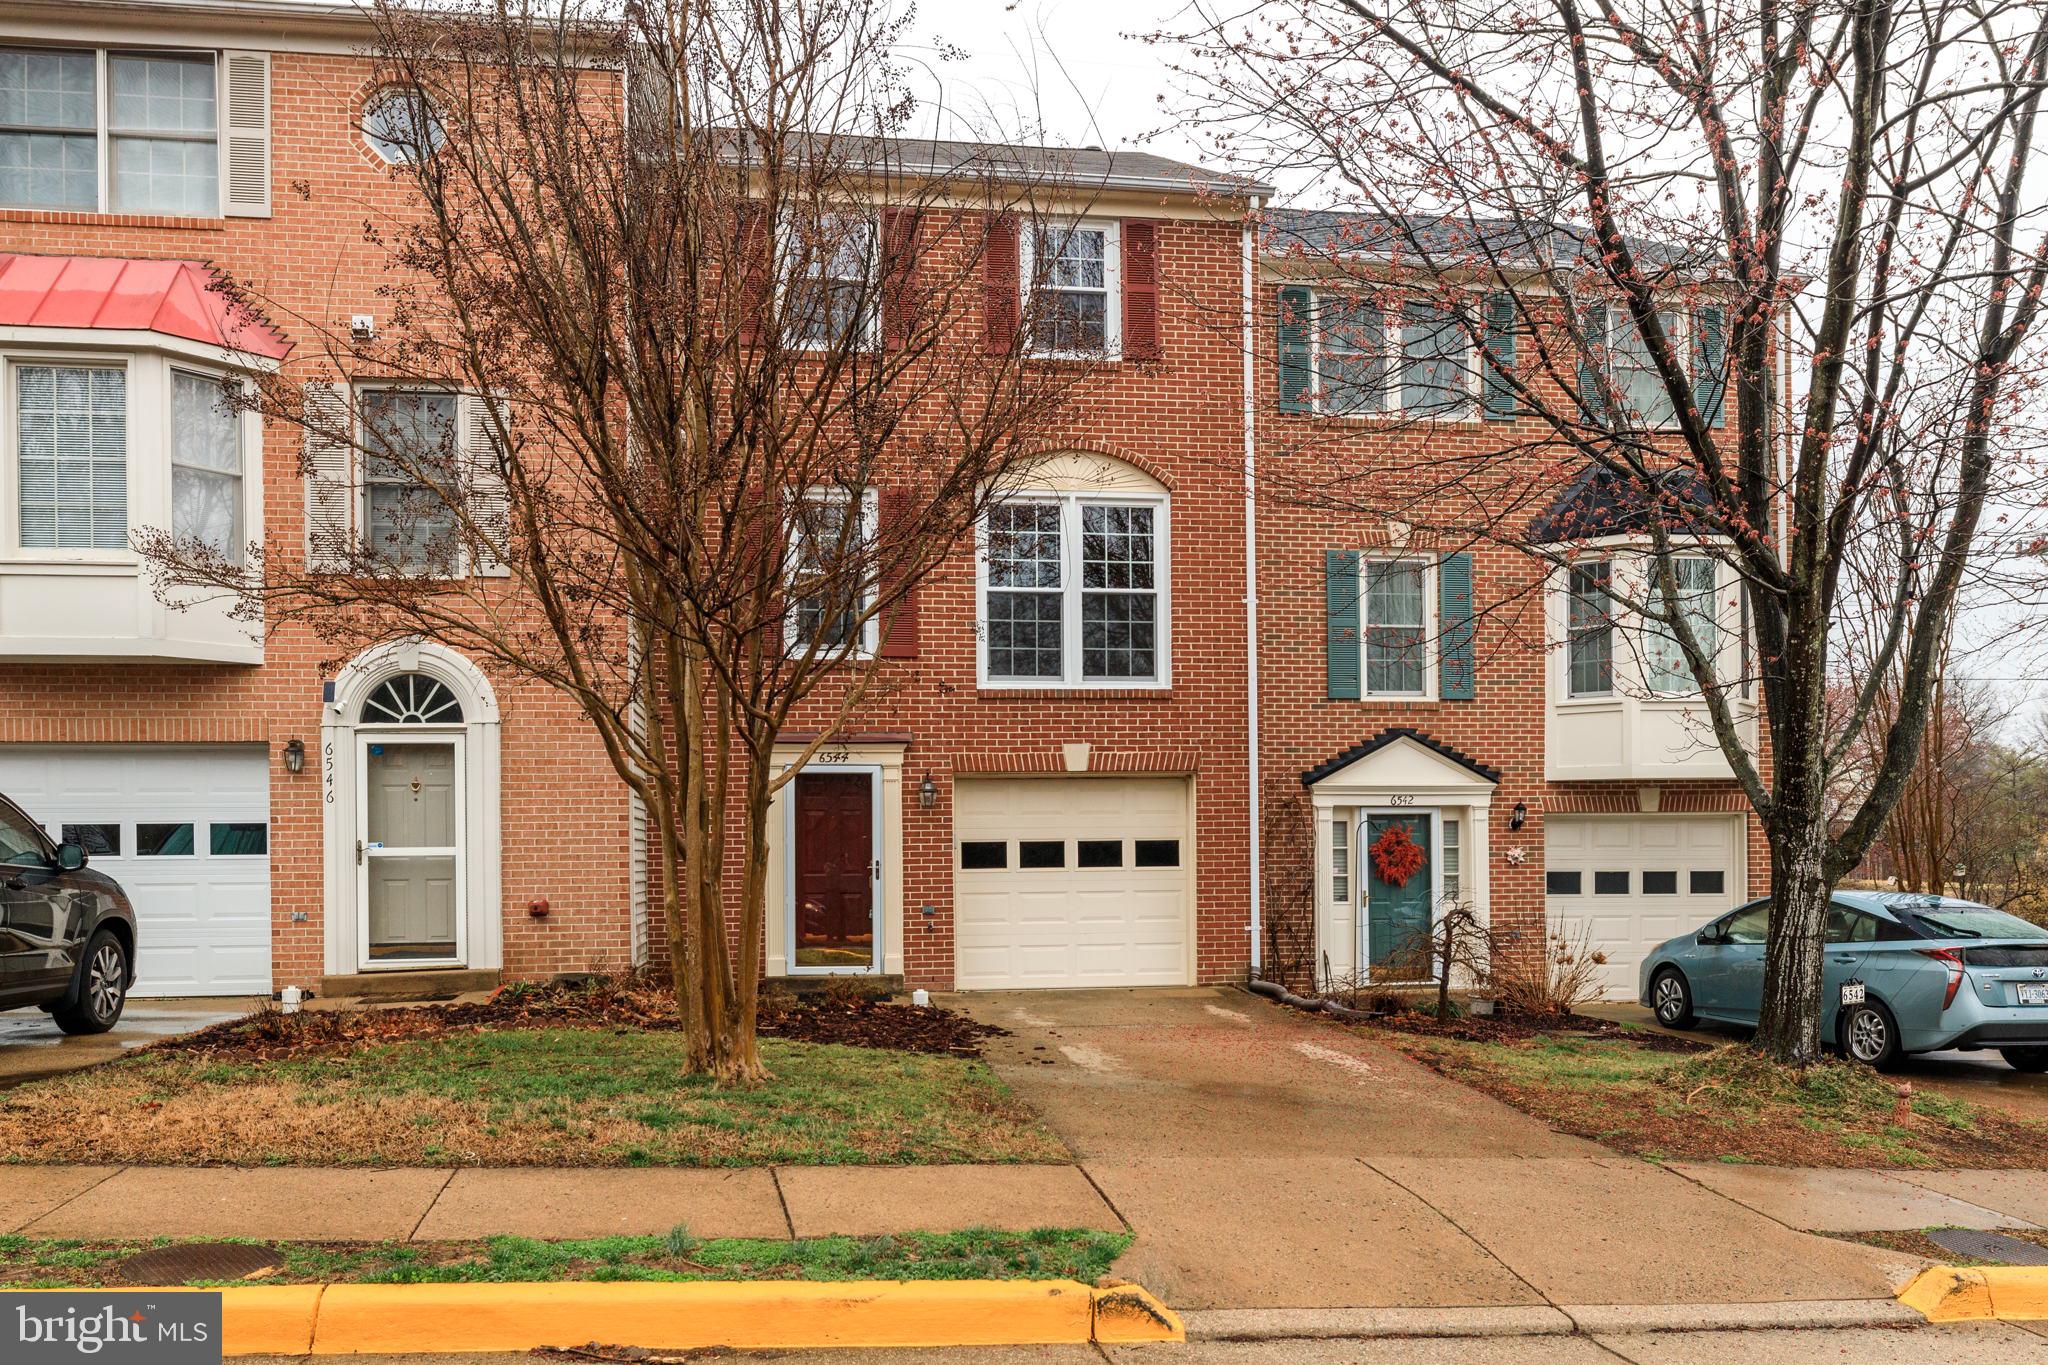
198, 1261
1989, 1246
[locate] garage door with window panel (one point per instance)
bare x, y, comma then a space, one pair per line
186, 832
1071, 882
1638, 880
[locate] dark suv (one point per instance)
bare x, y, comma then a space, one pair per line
67, 933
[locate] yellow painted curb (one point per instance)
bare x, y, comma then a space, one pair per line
1947, 1293
1127, 1314
348, 1319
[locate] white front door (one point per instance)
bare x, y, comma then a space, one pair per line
185, 830
410, 862
1632, 881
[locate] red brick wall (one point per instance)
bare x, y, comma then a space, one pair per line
563, 813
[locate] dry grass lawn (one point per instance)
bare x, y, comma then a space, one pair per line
527, 1097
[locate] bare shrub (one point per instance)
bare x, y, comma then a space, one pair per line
1564, 976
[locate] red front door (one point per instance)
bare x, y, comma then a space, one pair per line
835, 878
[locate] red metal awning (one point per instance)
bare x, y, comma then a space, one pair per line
175, 298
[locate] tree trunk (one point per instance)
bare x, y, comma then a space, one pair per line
1788, 1024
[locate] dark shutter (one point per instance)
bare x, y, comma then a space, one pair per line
899, 275
1341, 609
1499, 399
1455, 627
1141, 289
1593, 336
1296, 364
898, 623
1710, 363
1001, 279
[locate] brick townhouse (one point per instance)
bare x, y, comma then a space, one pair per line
1058, 789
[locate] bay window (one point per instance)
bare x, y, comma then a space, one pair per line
206, 464
1073, 591
71, 430
1589, 622
1664, 663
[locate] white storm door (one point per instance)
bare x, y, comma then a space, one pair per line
410, 862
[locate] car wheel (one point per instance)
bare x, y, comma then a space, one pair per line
2025, 1058
1870, 1035
1671, 999
102, 988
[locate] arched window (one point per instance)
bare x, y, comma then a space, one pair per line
411, 699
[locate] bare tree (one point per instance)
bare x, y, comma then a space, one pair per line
687, 379
1748, 284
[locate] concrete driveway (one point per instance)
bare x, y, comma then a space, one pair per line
1980, 1077
1267, 1159
32, 1046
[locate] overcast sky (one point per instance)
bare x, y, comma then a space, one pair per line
1074, 71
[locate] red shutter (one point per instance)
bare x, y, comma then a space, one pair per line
750, 255
899, 275
897, 513
1141, 289
1001, 271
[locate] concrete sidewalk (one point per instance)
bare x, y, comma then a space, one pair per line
326, 1204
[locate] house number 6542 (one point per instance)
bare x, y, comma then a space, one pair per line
1400, 800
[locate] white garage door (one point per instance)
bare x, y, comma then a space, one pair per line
1071, 882
186, 831
1638, 880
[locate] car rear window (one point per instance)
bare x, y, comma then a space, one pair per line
1972, 921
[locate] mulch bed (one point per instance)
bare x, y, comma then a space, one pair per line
636, 1002
1516, 1028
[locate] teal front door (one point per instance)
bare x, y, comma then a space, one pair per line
1397, 916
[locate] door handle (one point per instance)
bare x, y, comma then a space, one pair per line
359, 853
16, 884
1845, 959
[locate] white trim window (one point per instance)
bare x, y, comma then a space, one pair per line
71, 435
829, 585
1664, 667
1072, 288
206, 463
163, 133
406, 518
1394, 620
49, 128
1589, 629
1414, 360
1635, 378
1074, 592
828, 276
1450, 859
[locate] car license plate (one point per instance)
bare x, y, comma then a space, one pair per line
1853, 992
2034, 993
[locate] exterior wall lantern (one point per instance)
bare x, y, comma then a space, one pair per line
1520, 816
295, 755
927, 791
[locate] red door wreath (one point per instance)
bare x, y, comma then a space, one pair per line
1395, 856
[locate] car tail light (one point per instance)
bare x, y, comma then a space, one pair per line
1951, 959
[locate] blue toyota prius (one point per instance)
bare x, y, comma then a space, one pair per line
1902, 973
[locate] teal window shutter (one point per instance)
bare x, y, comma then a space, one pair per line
1297, 370
1499, 397
1593, 332
1710, 363
1455, 627
1341, 601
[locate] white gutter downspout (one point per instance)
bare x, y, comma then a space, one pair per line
1251, 572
